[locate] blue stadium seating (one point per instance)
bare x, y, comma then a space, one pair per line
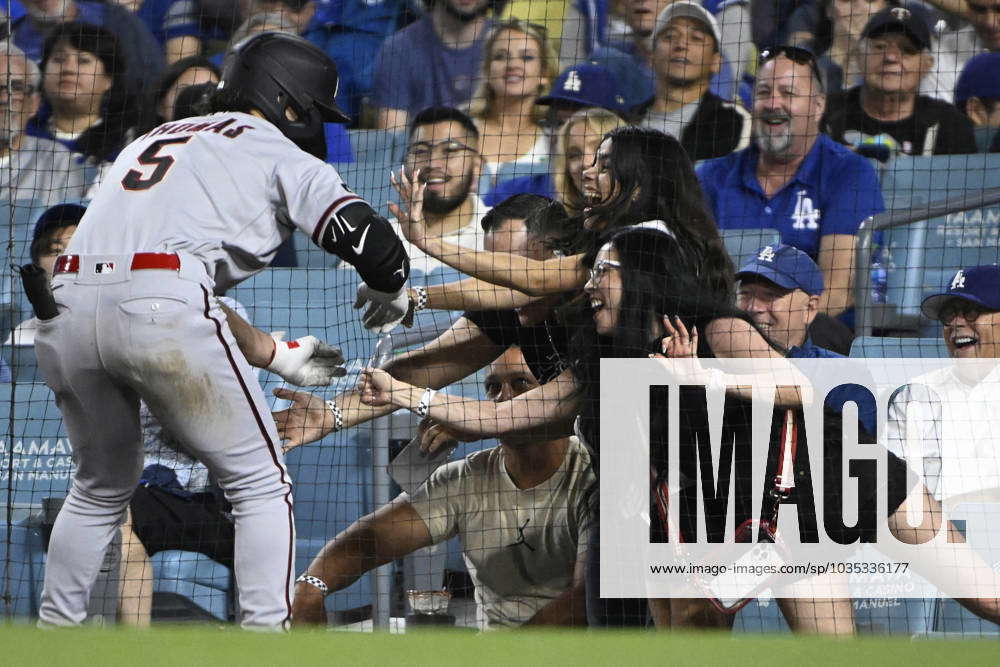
742, 244
925, 254
24, 555
195, 577
874, 347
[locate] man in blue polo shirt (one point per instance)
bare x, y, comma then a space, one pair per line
794, 179
780, 289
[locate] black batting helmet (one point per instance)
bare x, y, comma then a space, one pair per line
277, 71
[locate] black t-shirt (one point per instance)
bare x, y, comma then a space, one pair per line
935, 128
543, 345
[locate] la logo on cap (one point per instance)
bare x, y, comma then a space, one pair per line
900, 13
766, 254
573, 82
958, 282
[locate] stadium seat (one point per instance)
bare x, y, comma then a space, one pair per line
194, 577
42, 454
22, 361
874, 347
24, 555
924, 255
742, 244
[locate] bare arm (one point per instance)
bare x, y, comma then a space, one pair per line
959, 7
391, 119
732, 338
836, 260
551, 403
181, 47
256, 346
457, 353
474, 294
570, 608
531, 276
392, 532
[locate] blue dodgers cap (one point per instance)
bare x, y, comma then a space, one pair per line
980, 285
785, 266
979, 78
586, 84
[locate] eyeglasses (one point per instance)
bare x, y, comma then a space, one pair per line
600, 268
16, 88
797, 54
969, 311
424, 150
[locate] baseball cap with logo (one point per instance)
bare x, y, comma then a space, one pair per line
979, 78
908, 20
785, 266
687, 9
586, 85
980, 285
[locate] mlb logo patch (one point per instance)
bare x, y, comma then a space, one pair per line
104, 267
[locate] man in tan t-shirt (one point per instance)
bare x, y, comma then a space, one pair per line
519, 510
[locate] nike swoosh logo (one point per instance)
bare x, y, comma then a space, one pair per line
361, 244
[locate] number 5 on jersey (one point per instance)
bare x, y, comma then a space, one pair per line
137, 180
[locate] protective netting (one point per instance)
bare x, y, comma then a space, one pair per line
805, 173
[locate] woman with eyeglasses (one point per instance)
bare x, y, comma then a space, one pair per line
519, 65
87, 104
637, 175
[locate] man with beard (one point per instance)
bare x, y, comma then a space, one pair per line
444, 147
811, 189
685, 57
432, 62
33, 168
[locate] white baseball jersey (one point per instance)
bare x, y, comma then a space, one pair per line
945, 430
227, 188
520, 545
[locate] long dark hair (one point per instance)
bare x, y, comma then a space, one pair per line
656, 181
659, 277
120, 109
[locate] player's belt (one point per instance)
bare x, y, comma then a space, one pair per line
141, 260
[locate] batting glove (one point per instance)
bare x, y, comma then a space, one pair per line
305, 361
385, 310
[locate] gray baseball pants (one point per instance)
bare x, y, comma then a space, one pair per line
156, 334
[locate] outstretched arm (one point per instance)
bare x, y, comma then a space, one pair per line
531, 276
569, 609
474, 294
392, 532
552, 403
306, 361
457, 353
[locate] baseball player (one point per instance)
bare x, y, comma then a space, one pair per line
187, 211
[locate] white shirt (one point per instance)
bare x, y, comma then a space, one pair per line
947, 431
951, 50
520, 545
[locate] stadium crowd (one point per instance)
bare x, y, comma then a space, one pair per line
577, 166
